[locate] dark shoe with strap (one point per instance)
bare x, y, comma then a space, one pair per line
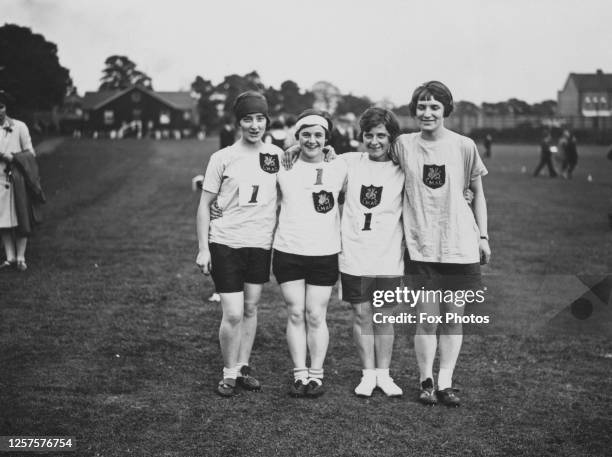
297, 389
315, 388
246, 381
227, 388
448, 396
428, 394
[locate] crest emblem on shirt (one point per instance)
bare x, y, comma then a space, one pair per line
269, 162
323, 201
434, 176
370, 196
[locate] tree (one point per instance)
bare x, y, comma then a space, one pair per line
403, 110
294, 101
30, 70
353, 104
120, 73
463, 107
326, 96
275, 100
234, 84
545, 108
207, 107
519, 106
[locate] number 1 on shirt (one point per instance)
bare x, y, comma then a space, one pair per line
251, 194
254, 194
368, 222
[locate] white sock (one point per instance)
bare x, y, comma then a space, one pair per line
368, 373
230, 373
367, 384
300, 374
315, 374
382, 373
239, 365
445, 378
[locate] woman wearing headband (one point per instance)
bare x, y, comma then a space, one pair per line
306, 247
236, 247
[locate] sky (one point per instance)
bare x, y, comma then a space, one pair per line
484, 50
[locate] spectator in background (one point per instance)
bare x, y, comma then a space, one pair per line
227, 135
546, 156
488, 143
290, 140
20, 190
343, 136
569, 154
277, 134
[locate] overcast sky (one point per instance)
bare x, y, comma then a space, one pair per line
484, 50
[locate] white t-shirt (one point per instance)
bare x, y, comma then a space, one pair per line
439, 225
245, 184
371, 219
309, 222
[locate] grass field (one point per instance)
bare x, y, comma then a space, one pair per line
108, 337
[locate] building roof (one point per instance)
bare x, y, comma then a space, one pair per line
595, 82
181, 100
92, 99
176, 100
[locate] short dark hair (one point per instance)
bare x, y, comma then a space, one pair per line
432, 89
316, 112
375, 116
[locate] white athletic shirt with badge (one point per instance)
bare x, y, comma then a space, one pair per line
245, 184
309, 221
371, 219
439, 225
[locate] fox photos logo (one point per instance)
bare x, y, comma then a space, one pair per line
434, 176
323, 201
370, 196
269, 163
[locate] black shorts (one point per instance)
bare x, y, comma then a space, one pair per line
317, 270
232, 267
442, 276
360, 289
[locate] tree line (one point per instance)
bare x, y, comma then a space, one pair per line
31, 72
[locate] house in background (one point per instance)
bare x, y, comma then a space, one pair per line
140, 112
586, 100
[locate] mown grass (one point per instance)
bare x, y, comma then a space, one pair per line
108, 336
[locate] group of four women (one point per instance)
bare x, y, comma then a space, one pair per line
404, 212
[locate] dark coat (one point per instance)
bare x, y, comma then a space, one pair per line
28, 192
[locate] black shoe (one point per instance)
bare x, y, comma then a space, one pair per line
315, 389
447, 396
428, 395
297, 389
227, 388
246, 381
